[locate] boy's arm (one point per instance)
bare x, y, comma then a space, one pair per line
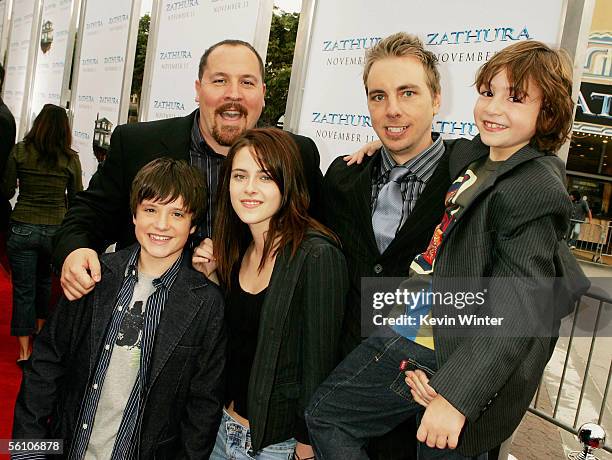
41, 376
205, 401
588, 211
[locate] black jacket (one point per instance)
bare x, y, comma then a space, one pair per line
348, 192
298, 338
509, 235
184, 393
101, 214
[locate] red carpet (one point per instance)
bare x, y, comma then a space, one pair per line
10, 374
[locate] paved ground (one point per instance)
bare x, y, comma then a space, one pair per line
535, 437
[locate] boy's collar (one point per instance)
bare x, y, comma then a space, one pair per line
476, 149
129, 262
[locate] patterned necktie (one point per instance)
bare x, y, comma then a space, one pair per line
387, 215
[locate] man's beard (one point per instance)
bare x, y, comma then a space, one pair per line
226, 135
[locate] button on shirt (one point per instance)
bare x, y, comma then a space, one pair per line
421, 169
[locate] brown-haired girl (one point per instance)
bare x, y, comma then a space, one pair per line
49, 174
285, 281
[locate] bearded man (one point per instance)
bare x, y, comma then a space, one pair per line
230, 92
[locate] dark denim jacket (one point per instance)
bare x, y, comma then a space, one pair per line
184, 395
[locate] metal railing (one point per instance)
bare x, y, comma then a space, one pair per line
589, 240
607, 245
602, 301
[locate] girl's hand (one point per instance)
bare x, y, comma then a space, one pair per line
203, 259
303, 452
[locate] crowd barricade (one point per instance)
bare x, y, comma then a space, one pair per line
606, 252
560, 398
592, 241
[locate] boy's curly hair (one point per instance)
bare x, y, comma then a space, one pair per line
533, 61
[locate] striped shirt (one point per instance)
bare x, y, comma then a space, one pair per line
421, 169
203, 157
129, 427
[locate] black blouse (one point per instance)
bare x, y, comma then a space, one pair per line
243, 312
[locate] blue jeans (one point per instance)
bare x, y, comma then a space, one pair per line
29, 254
234, 443
574, 233
365, 397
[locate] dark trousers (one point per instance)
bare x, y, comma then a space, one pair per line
366, 396
29, 253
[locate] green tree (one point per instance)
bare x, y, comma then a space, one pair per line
279, 58
141, 52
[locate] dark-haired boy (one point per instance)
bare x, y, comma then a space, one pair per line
135, 368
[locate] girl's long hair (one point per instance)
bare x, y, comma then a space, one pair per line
50, 135
277, 154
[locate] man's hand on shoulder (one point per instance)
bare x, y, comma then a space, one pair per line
441, 424
80, 273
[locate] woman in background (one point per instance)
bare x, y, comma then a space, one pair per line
285, 281
49, 175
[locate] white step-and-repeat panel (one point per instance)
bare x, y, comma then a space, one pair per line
103, 75
18, 58
4, 27
327, 100
55, 44
180, 33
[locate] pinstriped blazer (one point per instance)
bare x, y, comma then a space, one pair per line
298, 338
512, 228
